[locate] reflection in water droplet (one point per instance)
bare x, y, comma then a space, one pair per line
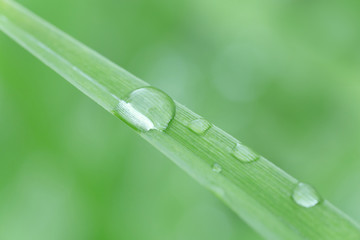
199, 126
216, 168
244, 153
146, 108
305, 195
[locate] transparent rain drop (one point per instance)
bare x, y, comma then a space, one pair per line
305, 195
146, 109
199, 126
216, 168
244, 153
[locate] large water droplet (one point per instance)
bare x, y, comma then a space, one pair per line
305, 195
244, 153
199, 126
216, 168
146, 109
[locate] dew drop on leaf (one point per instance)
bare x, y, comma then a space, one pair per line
199, 126
305, 195
216, 168
146, 109
244, 153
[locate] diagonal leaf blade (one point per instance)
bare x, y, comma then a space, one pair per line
258, 191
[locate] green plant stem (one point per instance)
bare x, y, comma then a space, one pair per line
259, 192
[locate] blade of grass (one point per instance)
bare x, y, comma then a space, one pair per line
258, 191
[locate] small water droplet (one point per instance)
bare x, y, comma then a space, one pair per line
244, 153
146, 108
305, 195
199, 126
216, 168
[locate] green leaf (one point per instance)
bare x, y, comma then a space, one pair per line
267, 198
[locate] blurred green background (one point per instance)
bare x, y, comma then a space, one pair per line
280, 75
